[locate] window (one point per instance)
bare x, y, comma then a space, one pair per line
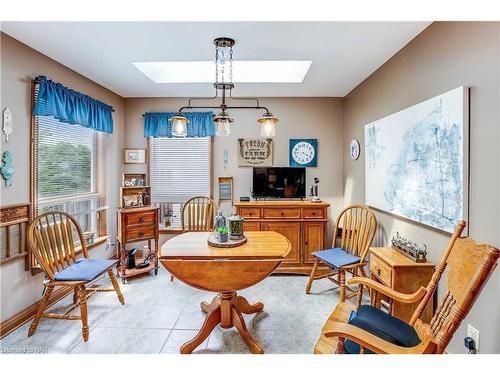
69, 171
180, 168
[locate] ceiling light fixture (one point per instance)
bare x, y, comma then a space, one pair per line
224, 83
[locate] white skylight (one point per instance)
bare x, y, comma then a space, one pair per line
243, 71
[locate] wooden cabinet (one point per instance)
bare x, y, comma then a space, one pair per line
136, 224
314, 240
303, 223
290, 230
393, 269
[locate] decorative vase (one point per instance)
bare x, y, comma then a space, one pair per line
220, 220
235, 227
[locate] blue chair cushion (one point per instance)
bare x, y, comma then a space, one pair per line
84, 270
383, 325
336, 257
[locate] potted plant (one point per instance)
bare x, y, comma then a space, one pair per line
221, 234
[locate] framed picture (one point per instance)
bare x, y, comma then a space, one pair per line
255, 152
135, 156
226, 189
416, 161
303, 153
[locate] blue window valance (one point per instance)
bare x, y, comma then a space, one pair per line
156, 124
72, 107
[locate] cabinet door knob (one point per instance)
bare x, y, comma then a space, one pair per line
141, 219
378, 271
141, 234
282, 213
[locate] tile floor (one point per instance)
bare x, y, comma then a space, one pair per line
160, 315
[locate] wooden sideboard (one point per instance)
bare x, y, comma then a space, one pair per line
134, 225
303, 223
401, 274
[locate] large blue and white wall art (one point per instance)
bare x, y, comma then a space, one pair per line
416, 161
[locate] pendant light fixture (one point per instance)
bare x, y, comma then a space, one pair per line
222, 121
179, 125
224, 83
267, 125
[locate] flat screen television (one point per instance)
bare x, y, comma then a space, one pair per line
279, 182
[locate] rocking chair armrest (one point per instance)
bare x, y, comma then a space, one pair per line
375, 343
398, 296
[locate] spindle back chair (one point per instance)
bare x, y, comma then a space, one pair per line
56, 240
198, 214
353, 233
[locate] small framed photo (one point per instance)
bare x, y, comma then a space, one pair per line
135, 156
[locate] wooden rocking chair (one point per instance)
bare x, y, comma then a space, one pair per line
357, 225
52, 238
370, 330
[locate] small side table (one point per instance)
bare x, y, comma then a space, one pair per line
396, 271
134, 225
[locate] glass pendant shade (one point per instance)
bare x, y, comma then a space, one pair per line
179, 126
222, 122
267, 125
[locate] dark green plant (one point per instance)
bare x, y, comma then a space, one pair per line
222, 230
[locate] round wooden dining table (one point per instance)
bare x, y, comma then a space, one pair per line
224, 271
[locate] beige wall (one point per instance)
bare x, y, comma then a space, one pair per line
19, 65
446, 55
319, 118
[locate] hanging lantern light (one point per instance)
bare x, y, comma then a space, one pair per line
222, 121
179, 125
267, 125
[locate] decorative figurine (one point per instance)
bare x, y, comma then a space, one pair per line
8, 124
235, 227
7, 169
314, 191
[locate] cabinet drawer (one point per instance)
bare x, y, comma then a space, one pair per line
285, 213
313, 213
140, 218
250, 213
138, 233
381, 270
251, 226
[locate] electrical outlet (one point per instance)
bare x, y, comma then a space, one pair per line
473, 334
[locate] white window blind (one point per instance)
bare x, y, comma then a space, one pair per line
180, 168
69, 163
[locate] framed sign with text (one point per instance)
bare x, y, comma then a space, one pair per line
254, 152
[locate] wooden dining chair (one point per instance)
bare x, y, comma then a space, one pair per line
198, 215
352, 236
367, 329
55, 239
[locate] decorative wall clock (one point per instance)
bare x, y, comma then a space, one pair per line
354, 149
303, 152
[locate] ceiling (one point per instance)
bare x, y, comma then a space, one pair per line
343, 54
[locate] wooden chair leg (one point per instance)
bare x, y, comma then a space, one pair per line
342, 285
75, 295
116, 286
82, 300
41, 308
311, 277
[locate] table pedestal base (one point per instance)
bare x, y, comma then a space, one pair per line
225, 309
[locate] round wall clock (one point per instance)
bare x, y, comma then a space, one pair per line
354, 149
303, 152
